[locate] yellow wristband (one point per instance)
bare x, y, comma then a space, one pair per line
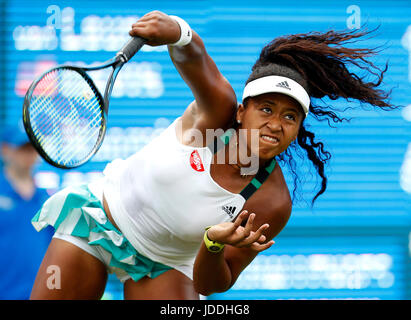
212, 246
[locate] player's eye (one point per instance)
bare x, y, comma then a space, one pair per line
266, 110
290, 117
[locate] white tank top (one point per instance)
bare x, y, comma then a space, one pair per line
163, 197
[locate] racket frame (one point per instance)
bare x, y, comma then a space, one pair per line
125, 54
117, 64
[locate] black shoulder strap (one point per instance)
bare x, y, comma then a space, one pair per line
258, 180
261, 175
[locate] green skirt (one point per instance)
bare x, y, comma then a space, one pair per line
77, 212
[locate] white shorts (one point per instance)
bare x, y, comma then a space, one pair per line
96, 251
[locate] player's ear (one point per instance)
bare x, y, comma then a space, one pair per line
240, 113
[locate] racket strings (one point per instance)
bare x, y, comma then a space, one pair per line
66, 116
57, 102
54, 106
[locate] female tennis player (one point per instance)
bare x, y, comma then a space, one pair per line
174, 220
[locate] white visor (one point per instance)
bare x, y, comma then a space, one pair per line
278, 84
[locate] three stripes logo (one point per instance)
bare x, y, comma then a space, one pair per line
284, 85
229, 210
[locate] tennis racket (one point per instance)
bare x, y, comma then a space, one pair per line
64, 113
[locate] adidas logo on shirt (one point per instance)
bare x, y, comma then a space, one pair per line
284, 85
229, 210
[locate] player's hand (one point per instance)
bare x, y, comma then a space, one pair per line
234, 234
157, 28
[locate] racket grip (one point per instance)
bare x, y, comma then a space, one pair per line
131, 48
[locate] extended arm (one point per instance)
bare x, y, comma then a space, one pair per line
215, 100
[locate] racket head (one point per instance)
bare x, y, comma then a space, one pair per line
64, 118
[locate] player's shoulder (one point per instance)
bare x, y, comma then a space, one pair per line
273, 197
203, 118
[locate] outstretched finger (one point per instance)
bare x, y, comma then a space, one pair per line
249, 225
258, 247
254, 236
262, 239
240, 218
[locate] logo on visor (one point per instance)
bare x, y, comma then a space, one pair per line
284, 85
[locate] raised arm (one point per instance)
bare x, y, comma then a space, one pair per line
215, 101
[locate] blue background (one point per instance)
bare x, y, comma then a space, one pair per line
355, 242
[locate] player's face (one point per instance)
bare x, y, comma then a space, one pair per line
277, 117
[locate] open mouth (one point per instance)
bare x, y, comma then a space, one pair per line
270, 139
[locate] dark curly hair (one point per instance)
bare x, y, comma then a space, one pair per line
319, 62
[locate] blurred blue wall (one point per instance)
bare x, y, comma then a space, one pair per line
355, 242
